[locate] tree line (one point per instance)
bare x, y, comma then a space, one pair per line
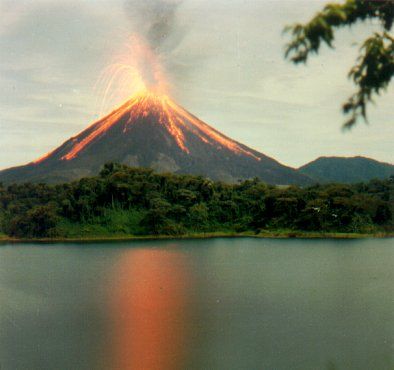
135, 201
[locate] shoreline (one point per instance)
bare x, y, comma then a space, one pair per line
213, 235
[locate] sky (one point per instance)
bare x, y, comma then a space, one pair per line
224, 60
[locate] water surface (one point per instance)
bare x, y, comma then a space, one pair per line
198, 304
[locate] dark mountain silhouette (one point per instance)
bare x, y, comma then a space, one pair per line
153, 131
346, 170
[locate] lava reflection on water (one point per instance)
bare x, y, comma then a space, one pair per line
148, 310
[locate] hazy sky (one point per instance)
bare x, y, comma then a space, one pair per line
224, 59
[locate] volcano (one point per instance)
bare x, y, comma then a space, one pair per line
153, 131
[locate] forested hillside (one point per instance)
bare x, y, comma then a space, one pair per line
130, 201
346, 170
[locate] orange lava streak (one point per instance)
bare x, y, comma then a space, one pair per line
151, 103
42, 158
175, 131
138, 70
143, 104
211, 133
107, 122
174, 118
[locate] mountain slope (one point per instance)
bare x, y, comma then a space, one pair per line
346, 170
153, 131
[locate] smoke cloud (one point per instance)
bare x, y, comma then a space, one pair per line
155, 20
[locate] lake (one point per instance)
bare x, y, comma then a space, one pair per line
210, 304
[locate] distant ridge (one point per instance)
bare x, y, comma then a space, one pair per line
346, 169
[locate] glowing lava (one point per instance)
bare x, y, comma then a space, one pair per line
134, 70
148, 129
138, 70
176, 120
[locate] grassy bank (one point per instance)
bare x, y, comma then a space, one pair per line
278, 234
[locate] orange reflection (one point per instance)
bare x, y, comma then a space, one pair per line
149, 311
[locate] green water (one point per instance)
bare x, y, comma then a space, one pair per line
198, 304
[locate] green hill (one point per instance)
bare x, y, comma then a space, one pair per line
346, 170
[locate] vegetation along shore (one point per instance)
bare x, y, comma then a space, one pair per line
124, 203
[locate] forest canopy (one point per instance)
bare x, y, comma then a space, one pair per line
135, 201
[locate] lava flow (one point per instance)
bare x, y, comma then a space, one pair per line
149, 130
176, 120
139, 69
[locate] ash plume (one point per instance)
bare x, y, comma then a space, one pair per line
155, 20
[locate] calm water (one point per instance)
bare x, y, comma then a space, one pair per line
203, 304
